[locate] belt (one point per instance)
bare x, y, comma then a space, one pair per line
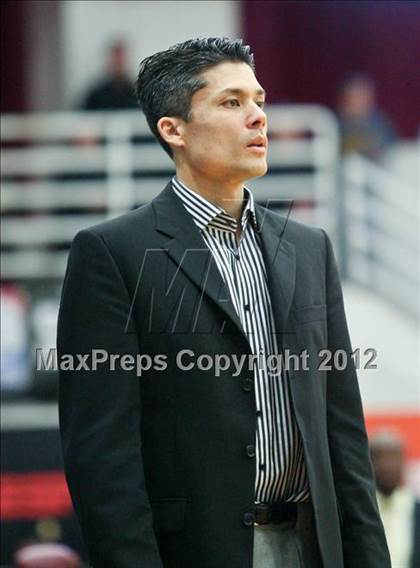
288, 515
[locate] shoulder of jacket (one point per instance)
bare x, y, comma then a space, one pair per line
296, 232
138, 221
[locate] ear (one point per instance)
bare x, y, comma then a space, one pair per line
171, 130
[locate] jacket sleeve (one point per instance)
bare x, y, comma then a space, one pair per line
364, 542
100, 412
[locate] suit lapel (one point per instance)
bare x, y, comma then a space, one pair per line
189, 251
280, 261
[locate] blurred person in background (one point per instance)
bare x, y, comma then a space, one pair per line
115, 91
365, 129
187, 468
398, 506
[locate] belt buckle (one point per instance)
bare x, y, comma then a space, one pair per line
265, 508
290, 523
273, 514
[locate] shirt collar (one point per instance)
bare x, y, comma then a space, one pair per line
207, 215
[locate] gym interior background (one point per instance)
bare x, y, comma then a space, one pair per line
343, 90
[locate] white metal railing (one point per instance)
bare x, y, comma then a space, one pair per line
382, 232
65, 171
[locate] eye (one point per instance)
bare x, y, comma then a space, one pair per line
260, 103
231, 103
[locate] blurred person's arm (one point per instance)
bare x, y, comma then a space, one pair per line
364, 543
100, 413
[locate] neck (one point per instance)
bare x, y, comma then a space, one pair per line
225, 194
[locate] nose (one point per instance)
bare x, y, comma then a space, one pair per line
257, 118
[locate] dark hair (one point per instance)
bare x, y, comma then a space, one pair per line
168, 79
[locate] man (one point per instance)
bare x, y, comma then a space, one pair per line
365, 128
115, 90
398, 506
212, 458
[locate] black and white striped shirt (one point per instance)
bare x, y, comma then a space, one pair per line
280, 467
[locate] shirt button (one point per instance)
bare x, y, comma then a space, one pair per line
248, 519
250, 451
262, 466
247, 385
259, 413
247, 307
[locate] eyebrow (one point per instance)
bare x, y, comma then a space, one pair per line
233, 91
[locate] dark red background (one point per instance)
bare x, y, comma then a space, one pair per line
304, 49
13, 49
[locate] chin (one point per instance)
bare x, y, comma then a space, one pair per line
258, 170
246, 170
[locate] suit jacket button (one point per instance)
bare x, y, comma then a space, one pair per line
250, 451
248, 519
247, 385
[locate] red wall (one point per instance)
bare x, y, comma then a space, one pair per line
13, 51
303, 49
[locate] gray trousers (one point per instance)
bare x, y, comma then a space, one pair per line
277, 547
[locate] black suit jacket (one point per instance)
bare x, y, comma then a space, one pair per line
156, 465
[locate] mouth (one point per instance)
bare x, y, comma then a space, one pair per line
258, 144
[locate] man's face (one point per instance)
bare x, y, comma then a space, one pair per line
359, 100
226, 137
117, 61
388, 464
